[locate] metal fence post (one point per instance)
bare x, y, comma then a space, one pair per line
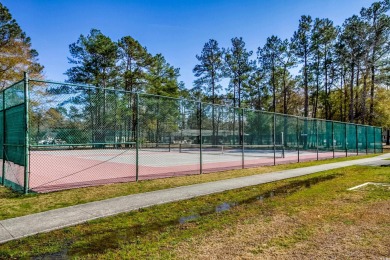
27, 136
345, 140
200, 139
283, 145
333, 138
298, 137
137, 140
317, 137
274, 138
374, 140
4, 133
366, 127
242, 145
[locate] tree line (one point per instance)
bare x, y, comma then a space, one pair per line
323, 71
16, 54
125, 64
343, 70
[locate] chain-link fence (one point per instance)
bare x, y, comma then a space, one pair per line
80, 135
13, 146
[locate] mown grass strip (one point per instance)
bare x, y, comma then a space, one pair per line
14, 204
301, 212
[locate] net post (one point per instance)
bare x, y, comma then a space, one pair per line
333, 138
137, 140
242, 139
200, 139
298, 137
345, 140
316, 137
357, 140
274, 141
27, 136
4, 133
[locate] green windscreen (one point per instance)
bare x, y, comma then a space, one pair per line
15, 137
1, 124
362, 138
1, 134
339, 136
371, 138
378, 139
351, 137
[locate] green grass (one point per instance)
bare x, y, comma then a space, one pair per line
285, 216
13, 204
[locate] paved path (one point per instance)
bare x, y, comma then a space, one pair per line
11, 229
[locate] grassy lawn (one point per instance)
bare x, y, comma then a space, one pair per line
14, 204
314, 216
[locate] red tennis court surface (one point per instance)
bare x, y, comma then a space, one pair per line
65, 169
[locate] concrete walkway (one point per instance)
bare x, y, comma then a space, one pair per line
11, 229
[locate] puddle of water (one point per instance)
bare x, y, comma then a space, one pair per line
186, 219
286, 189
289, 188
111, 240
224, 207
58, 255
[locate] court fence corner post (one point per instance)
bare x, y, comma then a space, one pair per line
27, 136
4, 132
137, 140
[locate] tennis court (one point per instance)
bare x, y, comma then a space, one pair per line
59, 136
50, 169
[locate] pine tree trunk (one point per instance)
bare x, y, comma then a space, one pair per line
364, 97
306, 87
351, 103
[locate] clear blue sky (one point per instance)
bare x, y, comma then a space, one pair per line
177, 29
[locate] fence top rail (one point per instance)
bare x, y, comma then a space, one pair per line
10, 86
85, 144
194, 101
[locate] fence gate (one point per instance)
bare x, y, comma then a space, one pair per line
13, 140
